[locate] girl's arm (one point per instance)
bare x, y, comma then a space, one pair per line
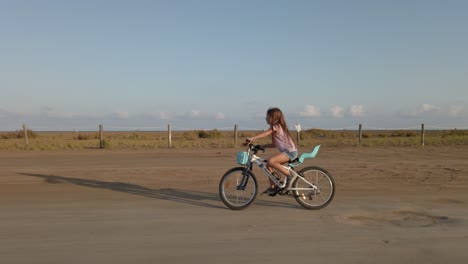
261, 135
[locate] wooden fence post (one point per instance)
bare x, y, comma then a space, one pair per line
360, 134
25, 131
169, 136
235, 135
101, 137
298, 129
422, 134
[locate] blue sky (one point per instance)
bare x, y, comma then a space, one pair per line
130, 65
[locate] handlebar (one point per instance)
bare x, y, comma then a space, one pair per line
254, 148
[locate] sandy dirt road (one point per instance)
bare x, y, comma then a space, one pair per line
393, 205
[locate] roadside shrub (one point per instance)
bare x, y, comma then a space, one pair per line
321, 133
136, 136
454, 132
247, 134
403, 134
105, 144
209, 134
190, 135
82, 137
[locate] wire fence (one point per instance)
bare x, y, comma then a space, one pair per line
176, 127
359, 132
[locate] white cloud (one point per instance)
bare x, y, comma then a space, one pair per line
424, 109
337, 111
427, 108
122, 115
50, 112
219, 116
152, 116
260, 114
198, 115
310, 111
164, 116
46, 109
193, 114
356, 110
5, 114
456, 110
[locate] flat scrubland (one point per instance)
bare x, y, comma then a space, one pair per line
223, 139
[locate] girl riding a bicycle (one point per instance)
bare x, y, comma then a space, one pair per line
283, 141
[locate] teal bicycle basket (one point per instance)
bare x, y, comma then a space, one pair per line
242, 158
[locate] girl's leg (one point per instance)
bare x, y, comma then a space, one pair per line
275, 162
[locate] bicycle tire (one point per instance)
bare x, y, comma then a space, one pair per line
309, 198
231, 195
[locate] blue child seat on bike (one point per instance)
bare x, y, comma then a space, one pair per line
304, 156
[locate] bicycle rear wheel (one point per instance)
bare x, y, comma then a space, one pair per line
238, 188
316, 190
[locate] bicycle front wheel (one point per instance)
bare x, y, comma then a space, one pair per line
238, 188
316, 190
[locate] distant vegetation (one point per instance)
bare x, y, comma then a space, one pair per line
18, 134
210, 134
224, 139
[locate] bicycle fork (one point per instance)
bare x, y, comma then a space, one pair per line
244, 181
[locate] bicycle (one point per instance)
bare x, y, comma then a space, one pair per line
313, 188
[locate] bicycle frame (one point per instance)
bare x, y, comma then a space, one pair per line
260, 163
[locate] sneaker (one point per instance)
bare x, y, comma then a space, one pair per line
270, 191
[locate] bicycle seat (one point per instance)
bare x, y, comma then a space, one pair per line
309, 155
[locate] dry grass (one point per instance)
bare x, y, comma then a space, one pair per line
224, 139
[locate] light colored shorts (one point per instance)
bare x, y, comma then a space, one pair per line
292, 155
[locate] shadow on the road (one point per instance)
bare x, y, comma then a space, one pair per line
169, 194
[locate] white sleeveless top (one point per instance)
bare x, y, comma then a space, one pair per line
282, 140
